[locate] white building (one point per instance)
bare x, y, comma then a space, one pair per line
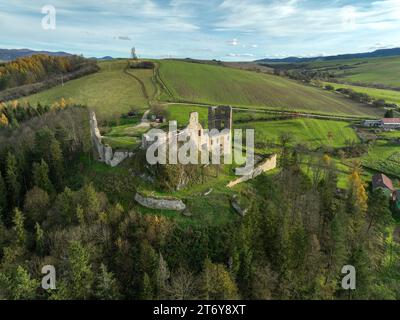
385, 123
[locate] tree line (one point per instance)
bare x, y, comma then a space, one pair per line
36, 68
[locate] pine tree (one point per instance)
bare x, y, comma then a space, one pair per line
36, 204
57, 164
107, 288
80, 214
39, 239
3, 198
18, 285
41, 177
12, 179
18, 227
147, 289
90, 202
217, 283
163, 275
80, 272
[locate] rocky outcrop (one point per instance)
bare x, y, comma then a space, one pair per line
160, 203
264, 166
105, 152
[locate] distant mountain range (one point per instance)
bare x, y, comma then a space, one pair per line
12, 54
376, 54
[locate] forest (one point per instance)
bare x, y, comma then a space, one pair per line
292, 244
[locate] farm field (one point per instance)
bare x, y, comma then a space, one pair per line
210, 84
181, 113
390, 96
368, 71
109, 92
384, 157
313, 132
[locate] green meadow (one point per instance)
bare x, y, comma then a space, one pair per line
390, 96
210, 84
109, 92
315, 133
368, 71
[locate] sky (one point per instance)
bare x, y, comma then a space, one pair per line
231, 30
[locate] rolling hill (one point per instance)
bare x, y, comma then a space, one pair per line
109, 92
381, 53
373, 72
390, 96
211, 84
11, 54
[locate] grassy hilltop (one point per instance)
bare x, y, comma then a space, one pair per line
109, 92
383, 71
193, 82
114, 90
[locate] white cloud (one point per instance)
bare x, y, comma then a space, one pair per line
380, 45
234, 42
125, 38
239, 55
292, 17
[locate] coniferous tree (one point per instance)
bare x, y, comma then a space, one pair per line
12, 180
3, 198
17, 285
41, 177
19, 228
147, 289
39, 239
106, 288
36, 204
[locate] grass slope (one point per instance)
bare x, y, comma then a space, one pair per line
109, 92
221, 85
369, 71
311, 131
389, 96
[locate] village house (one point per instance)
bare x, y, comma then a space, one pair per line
385, 123
384, 183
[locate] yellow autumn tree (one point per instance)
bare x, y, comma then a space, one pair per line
14, 104
3, 120
62, 103
358, 190
357, 199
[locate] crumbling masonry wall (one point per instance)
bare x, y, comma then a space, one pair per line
105, 152
220, 118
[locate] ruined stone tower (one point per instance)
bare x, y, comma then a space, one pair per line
220, 118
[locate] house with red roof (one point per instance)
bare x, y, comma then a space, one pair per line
390, 123
384, 183
385, 123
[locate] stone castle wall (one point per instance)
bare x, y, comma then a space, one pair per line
105, 152
264, 166
160, 203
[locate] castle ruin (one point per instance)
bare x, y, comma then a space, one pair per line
217, 137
